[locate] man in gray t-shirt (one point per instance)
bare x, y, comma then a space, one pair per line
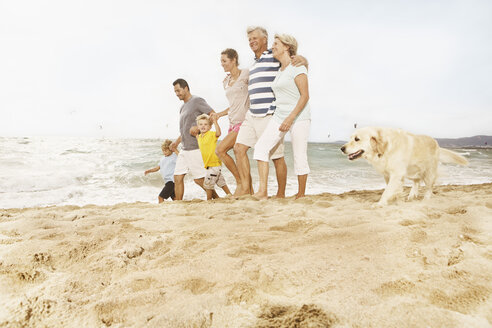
190, 110
189, 158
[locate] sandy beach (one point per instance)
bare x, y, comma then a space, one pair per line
323, 261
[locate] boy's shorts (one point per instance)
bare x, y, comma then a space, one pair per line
168, 191
214, 176
190, 161
252, 129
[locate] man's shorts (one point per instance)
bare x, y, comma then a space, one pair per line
190, 161
214, 176
168, 191
252, 129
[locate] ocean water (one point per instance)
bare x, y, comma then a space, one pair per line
44, 171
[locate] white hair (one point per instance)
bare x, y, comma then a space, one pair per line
262, 30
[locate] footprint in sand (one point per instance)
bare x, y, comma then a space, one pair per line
247, 250
110, 313
305, 200
241, 292
228, 216
396, 287
42, 258
134, 252
83, 250
30, 276
197, 236
33, 309
10, 241
197, 285
141, 284
457, 275
418, 236
295, 226
308, 315
463, 301
468, 235
407, 223
456, 210
455, 257
324, 204
434, 215
298, 214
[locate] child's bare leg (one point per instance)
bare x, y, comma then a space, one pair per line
210, 194
222, 148
226, 190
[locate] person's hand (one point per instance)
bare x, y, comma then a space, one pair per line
286, 124
194, 131
298, 61
173, 146
214, 117
146, 172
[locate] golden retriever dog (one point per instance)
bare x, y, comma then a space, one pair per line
397, 155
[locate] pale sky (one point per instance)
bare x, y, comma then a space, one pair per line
105, 68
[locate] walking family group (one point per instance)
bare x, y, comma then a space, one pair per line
266, 101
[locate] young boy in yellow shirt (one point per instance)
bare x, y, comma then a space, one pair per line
207, 142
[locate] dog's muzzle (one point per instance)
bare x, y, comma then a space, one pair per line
355, 155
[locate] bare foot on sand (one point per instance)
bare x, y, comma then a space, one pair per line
300, 196
238, 190
260, 195
242, 191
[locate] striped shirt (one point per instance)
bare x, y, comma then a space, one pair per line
261, 76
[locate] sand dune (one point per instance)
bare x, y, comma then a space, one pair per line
322, 261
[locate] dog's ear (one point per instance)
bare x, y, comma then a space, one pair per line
378, 144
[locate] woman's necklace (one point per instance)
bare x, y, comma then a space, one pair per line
233, 78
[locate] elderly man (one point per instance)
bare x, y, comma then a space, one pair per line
189, 159
262, 107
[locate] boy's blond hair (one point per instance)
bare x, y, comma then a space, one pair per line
166, 145
204, 117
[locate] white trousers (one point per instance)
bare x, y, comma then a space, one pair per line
299, 132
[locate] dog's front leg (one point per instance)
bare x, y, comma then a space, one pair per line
394, 186
414, 192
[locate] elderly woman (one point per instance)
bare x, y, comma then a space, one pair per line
292, 114
236, 90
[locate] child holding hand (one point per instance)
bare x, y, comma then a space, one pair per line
207, 142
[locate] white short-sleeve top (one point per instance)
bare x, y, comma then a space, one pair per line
287, 94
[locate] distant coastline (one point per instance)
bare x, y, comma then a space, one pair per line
480, 141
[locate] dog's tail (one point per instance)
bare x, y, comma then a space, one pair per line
448, 156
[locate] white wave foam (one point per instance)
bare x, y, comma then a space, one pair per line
63, 171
